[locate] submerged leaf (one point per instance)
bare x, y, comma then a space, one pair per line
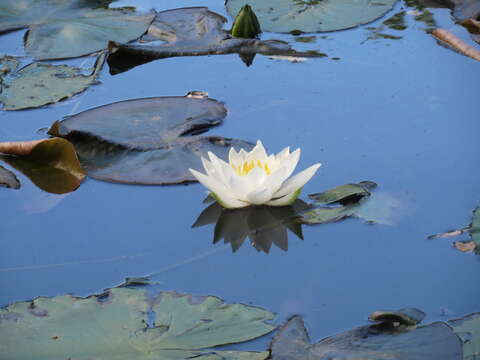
114, 325
434, 341
191, 32
70, 28
468, 329
147, 141
406, 316
8, 179
313, 15
51, 164
41, 84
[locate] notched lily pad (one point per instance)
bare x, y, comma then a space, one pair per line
40, 84
434, 341
8, 179
468, 329
65, 29
191, 32
115, 325
147, 141
51, 164
312, 15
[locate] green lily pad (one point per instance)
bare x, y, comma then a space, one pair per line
147, 141
51, 164
434, 341
8, 179
344, 194
40, 84
468, 329
70, 28
125, 324
263, 225
312, 15
191, 31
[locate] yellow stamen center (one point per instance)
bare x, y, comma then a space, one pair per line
248, 166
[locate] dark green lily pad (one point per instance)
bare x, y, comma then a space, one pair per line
434, 341
468, 329
69, 28
147, 141
51, 164
312, 15
115, 325
8, 179
191, 31
40, 84
406, 316
344, 194
263, 225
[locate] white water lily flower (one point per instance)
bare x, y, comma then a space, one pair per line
254, 178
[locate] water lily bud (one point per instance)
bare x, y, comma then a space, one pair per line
246, 24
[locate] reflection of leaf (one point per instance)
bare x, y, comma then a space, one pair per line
115, 325
407, 316
456, 43
434, 341
313, 15
191, 32
51, 164
473, 229
263, 225
40, 84
8, 179
147, 141
68, 28
344, 194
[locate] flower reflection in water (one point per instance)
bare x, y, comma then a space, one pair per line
263, 225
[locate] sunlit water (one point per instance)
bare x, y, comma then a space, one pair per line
402, 113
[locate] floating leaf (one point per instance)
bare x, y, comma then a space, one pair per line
313, 15
114, 325
147, 141
51, 164
468, 329
434, 341
406, 316
246, 24
191, 32
41, 84
473, 229
8, 179
263, 225
344, 194
70, 28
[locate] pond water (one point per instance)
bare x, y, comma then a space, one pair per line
402, 113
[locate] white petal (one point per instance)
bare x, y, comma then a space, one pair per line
256, 177
283, 154
297, 181
239, 186
221, 192
208, 166
285, 200
233, 157
276, 179
220, 166
291, 161
257, 153
259, 197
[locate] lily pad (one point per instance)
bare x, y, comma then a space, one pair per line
51, 164
468, 329
147, 141
40, 84
263, 225
191, 31
125, 323
8, 179
344, 194
312, 15
70, 28
406, 316
434, 341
